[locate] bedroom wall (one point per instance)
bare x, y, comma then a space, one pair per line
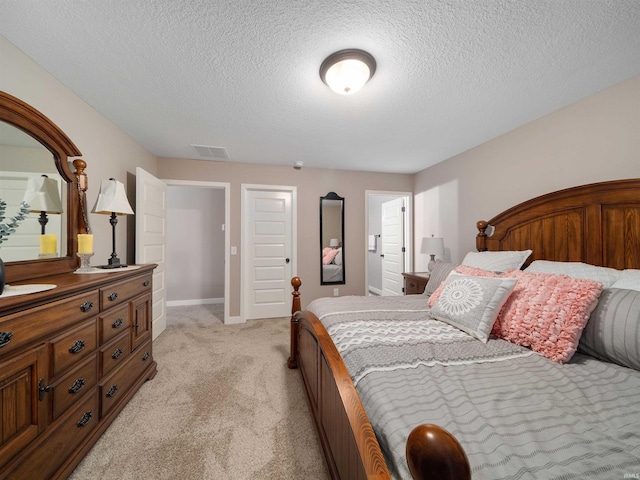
593, 140
311, 185
195, 245
108, 151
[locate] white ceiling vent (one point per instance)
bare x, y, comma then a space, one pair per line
205, 151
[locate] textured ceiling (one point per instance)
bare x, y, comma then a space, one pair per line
243, 75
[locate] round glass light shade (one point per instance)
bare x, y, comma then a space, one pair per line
346, 71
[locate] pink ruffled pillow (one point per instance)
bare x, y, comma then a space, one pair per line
328, 254
547, 312
478, 272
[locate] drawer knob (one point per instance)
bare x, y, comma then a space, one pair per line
85, 419
86, 306
146, 356
5, 338
115, 355
112, 296
77, 347
117, 323
42, 389
146, 283
112, 391
77, 385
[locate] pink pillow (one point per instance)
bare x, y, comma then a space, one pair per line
547, 312
478, 272
328, 254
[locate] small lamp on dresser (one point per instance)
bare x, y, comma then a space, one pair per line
112, 199
432, 246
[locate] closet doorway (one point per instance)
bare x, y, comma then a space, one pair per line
388, 230
198, 215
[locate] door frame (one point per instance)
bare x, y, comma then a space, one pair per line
408, 230
227, 231
244, 244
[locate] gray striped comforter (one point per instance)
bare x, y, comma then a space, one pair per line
517, 415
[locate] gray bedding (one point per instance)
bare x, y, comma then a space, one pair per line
517, 414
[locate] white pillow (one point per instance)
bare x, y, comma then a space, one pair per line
605, 275
496, 261
338, 258
628, 279
472, 303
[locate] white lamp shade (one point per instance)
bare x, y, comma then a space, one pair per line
432, 246
334, 242
112, 199
348, 76
42, 195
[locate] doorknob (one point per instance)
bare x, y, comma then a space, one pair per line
287, 260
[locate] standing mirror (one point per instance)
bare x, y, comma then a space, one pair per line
332, 239
32, 145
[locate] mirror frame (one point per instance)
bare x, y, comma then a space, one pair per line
333, 196
26, 118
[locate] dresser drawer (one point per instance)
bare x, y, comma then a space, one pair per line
413, 287
114, 322
73, 386
73, 346
19, 329
116, 386
70, 431
414, 284
114, 353
116, 293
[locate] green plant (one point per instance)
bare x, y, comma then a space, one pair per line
8, 228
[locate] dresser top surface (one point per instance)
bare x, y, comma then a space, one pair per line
66, 284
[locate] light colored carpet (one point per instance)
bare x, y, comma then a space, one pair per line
222, 406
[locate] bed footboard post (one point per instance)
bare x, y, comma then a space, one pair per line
295, 307
434, 453
481, 237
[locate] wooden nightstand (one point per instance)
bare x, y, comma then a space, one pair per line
415, 282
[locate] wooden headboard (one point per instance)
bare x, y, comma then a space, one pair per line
597, 223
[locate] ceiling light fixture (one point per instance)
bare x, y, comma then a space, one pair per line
347, 71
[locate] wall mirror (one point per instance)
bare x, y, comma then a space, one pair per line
332, 260
30, 146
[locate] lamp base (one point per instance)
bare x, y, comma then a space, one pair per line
431, 264
114, 262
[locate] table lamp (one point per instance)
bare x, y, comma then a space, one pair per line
432, 246
43, 196
112, 200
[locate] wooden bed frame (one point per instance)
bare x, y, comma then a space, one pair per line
596, 223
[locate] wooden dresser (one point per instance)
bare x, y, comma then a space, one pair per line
70, 360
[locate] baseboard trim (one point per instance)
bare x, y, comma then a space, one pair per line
196, 301
232, 320
375, 291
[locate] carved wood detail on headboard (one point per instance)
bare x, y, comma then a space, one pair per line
597, 223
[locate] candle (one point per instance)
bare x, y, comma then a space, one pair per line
48, 244
85, 243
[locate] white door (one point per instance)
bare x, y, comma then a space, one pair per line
151, 224
268, 252
393, 247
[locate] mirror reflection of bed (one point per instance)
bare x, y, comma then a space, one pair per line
332, 239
